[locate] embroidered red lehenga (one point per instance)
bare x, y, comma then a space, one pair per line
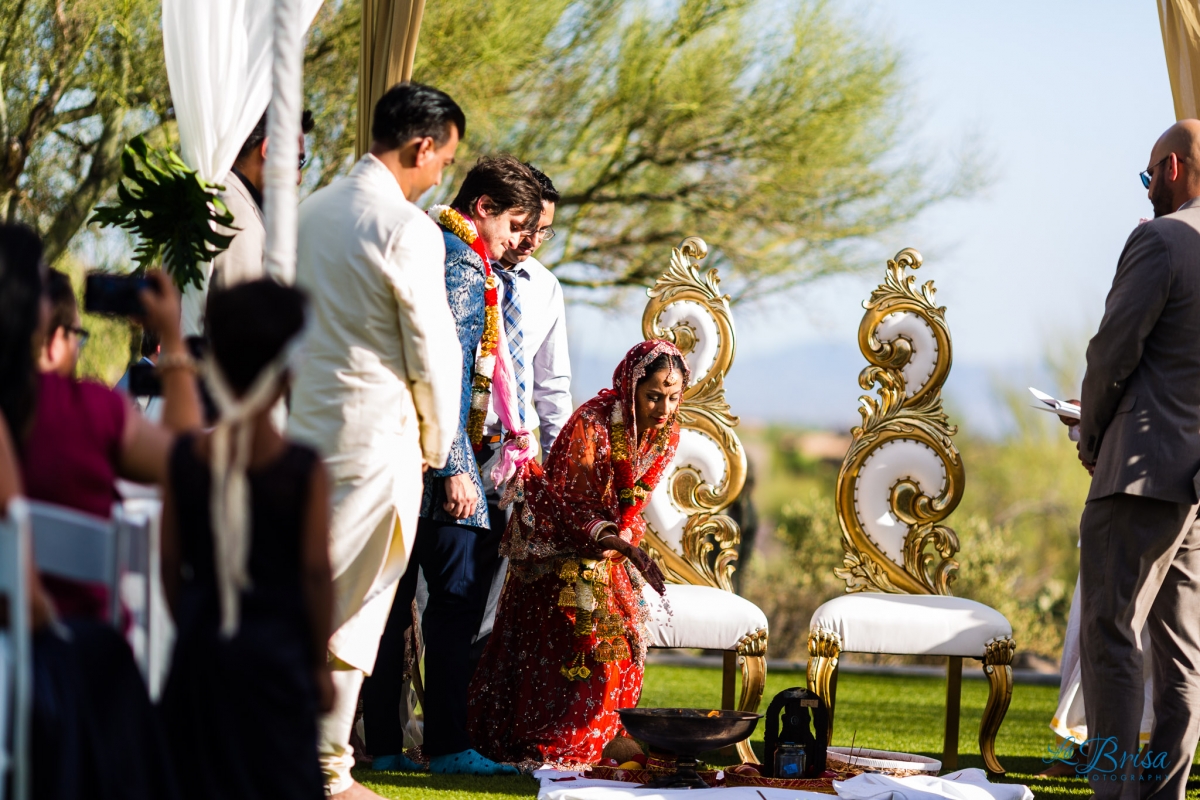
569, 643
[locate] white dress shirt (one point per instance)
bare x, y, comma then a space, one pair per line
547, 362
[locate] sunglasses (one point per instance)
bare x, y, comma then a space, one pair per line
1148, 174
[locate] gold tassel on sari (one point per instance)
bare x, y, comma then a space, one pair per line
620, 649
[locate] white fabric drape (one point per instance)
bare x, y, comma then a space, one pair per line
283, 131
1070, 719
219, 58
389, 44
1180, 23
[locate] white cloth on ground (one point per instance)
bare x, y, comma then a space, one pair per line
586, 789
1069, 720
966, 784
378, 389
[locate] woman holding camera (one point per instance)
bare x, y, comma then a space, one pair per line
75, 438
94, 733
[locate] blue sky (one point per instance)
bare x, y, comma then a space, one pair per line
1065, 100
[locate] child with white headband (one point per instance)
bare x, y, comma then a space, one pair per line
246, 569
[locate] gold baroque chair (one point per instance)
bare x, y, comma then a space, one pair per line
899, 481
686, 533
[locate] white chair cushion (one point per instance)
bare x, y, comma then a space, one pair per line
701, 616
910, 625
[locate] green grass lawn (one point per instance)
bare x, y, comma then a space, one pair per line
888, 713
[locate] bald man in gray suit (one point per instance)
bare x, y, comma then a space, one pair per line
1140, 439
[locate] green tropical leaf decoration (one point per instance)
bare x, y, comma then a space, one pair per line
174, 213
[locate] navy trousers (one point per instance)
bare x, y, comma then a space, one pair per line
459, 564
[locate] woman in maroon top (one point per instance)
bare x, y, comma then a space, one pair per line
75, 438
94, 733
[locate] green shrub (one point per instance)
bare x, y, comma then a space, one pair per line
788, 588
107, 353
991, 572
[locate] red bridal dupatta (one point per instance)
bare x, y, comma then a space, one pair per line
569, 643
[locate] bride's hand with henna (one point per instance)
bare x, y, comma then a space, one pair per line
640, 559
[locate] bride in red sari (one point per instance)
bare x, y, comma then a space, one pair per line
569, 643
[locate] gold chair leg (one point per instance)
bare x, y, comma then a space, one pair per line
729, 665
824, 648
997, 665
752, 653
729, 679
953, 711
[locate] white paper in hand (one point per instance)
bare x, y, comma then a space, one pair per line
1060, 407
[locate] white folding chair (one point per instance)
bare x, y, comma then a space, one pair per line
151, 634
80, 547
118, 553
16, 652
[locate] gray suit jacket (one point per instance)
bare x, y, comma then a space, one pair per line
1141, 394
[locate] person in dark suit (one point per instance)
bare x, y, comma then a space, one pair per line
1140, 440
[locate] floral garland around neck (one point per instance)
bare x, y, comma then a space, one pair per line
485, 364
633, 491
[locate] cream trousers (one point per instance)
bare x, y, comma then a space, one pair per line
336, 754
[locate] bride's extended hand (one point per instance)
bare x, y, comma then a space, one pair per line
640, 559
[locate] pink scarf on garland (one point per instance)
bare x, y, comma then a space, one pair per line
517, 449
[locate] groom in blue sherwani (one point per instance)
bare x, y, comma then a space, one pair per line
499, 201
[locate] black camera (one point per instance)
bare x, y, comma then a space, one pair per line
115, 295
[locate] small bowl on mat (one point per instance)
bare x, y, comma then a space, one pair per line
886, 762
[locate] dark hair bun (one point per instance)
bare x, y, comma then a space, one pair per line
250, 324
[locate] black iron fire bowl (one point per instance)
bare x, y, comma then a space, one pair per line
686, 733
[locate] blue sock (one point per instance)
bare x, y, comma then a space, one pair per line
397, 763
469, 762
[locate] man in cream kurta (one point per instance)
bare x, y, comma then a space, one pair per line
377, 389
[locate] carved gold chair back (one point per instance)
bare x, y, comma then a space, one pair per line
686, 532
900, 480
902, 475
